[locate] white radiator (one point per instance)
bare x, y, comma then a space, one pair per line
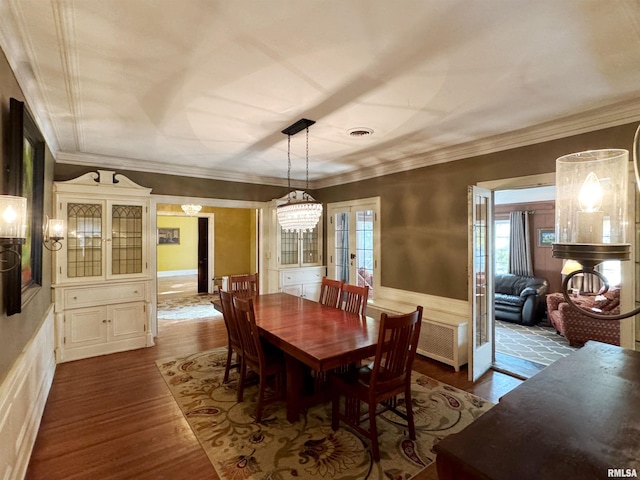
444, 339
444, 342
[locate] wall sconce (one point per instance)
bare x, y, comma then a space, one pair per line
13, 230
591, 214
52, 234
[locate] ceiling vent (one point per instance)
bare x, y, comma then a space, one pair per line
360, 132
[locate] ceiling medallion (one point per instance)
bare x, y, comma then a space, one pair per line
298, 214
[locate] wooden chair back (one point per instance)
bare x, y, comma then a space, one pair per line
252, 352
355, 298
244, 285
229, 316
396, 350
331, 292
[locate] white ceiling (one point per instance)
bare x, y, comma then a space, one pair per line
203, 88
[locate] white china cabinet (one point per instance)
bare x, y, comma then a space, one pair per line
102, 284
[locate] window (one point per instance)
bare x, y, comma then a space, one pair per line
501, 230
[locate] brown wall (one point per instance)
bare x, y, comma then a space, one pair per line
544, 265
16, 330
424, 211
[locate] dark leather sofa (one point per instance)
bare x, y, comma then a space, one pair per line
520, 299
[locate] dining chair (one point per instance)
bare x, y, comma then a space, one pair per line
381, 381
355, 298
331, 292
244, 285
263, 358
233, 335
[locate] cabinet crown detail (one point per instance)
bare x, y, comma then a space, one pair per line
103, 181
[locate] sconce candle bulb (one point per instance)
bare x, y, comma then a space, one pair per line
53, 233
13, 219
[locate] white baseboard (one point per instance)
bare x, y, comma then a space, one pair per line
177, 273
23, 395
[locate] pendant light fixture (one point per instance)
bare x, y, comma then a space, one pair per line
298, 214
191, 210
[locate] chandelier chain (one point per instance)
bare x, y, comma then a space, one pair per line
289, 161
307, 158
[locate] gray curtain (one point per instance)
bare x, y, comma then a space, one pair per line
520, 262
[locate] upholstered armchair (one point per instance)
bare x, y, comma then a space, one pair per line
578, 328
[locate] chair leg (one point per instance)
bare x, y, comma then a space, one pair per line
373, 432
228, 366
409, 406
243, 372
335, 410
261, 391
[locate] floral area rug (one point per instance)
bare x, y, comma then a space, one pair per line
186, 308
276, 449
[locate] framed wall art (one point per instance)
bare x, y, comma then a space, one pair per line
168, 236
546, 237
24, 176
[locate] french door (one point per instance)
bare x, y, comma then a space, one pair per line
353, 242
480, 281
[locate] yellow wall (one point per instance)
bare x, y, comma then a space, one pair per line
185, 255
234, 243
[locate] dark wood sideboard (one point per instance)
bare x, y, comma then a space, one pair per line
576, 419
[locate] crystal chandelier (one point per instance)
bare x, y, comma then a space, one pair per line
191, 210
298, 214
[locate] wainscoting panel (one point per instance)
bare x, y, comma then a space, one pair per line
23, 395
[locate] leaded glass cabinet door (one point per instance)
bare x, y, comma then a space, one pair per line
85, 246
289, 248
311, 252
126, 239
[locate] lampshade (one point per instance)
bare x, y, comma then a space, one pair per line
191, 209
570, 266
591, 206
13, 217
55, 229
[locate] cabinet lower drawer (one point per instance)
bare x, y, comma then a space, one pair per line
88, 296
300, 275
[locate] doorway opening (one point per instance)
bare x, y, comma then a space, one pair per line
199, 252
527, 342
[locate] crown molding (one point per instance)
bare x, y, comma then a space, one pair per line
589, 121
148, 166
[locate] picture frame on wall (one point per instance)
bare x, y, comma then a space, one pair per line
24, 176
546, 237
168, 236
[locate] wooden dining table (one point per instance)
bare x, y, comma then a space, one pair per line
312, 335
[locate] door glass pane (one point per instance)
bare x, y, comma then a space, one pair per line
480, 258
126, 234
342, 246
364, 249
288, 248
84, 248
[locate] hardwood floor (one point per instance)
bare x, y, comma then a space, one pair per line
112, 417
